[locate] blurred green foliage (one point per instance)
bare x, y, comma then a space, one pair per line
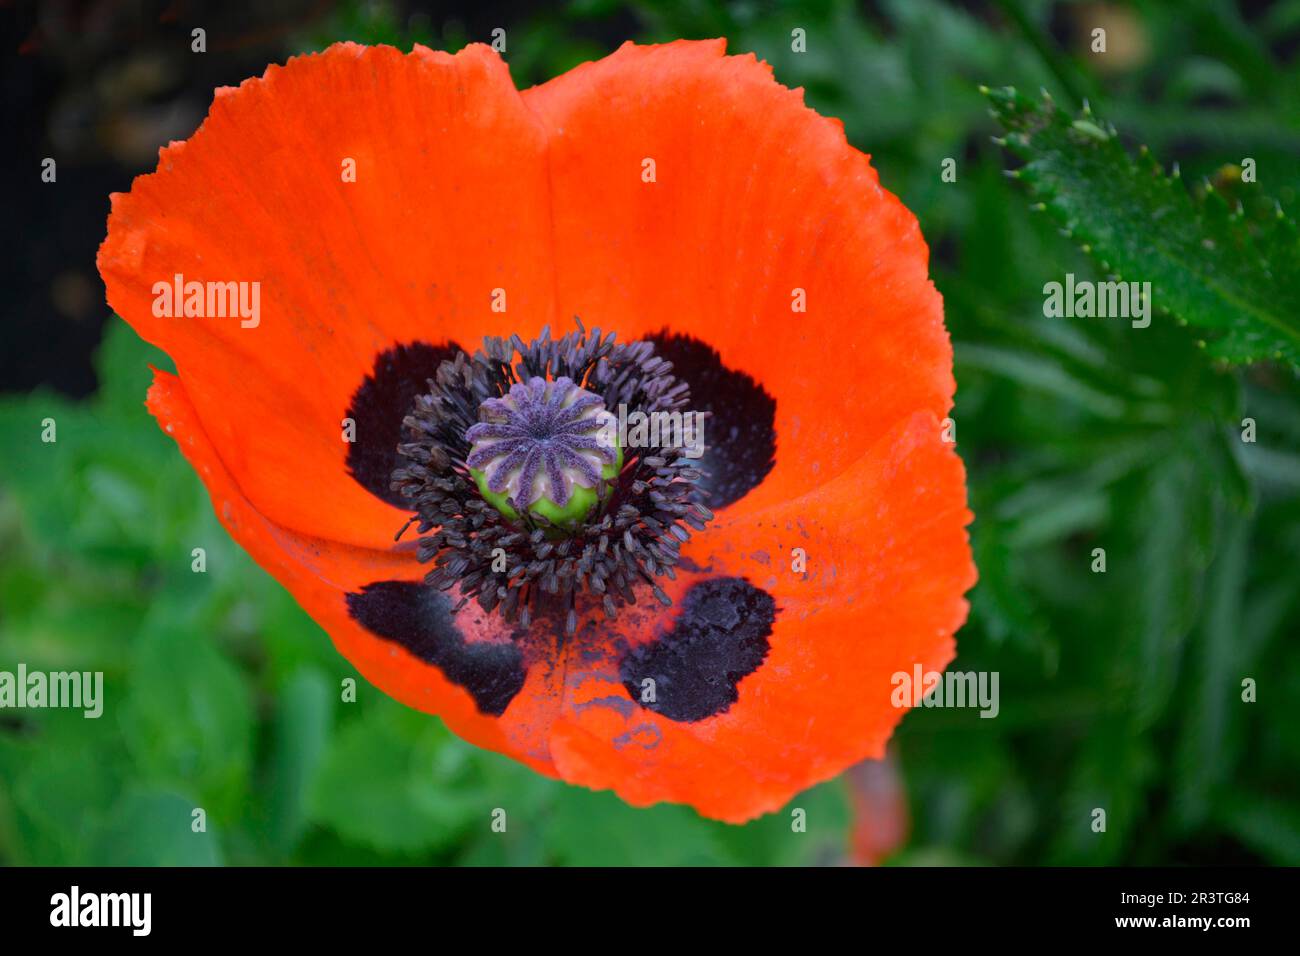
1119, 690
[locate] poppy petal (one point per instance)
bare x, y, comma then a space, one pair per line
400, 635
691, 190
448, 203
661, 188
718, 637
420, 619
787, 679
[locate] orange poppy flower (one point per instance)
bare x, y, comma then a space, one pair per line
322, 260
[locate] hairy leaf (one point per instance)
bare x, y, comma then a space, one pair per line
1234, 277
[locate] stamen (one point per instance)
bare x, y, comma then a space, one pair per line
507, 439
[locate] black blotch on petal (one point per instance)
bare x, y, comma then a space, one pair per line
378, 407
719, 637
740, 432
419, 618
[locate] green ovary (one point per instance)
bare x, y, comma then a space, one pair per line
570, 515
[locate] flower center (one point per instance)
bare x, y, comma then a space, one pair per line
547, 448
521, 488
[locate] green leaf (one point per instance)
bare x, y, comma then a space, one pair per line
598, 829
1236, 278
188, 719
385, 783
155, 828
1269, 825
1173, 518
300, 736
61, 781
1115, 767
1207, 755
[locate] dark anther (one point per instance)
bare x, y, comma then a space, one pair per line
525, 417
